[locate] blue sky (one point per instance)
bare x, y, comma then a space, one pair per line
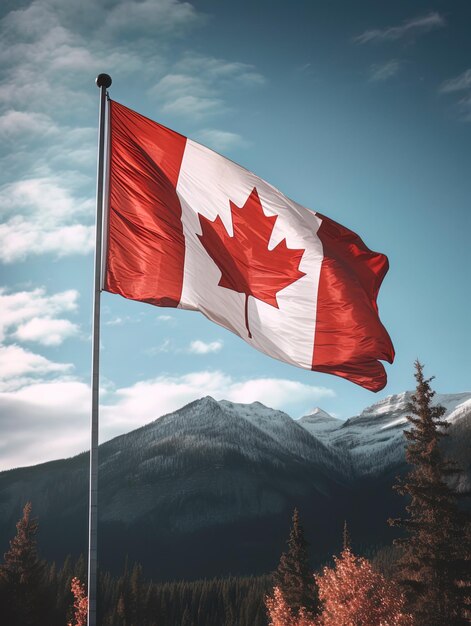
361, 111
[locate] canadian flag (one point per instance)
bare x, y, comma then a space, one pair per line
189, 228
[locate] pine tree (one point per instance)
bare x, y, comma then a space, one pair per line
25, 601
430, 568
121, 611
293, 576
186, 618
135, 595
346, 536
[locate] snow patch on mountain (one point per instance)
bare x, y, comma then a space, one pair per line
461, 410
282, 429
374, 440
319, 422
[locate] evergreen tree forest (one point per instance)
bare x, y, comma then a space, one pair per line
424, 579
131, 600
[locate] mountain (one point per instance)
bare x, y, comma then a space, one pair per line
209, 489
319, 423
206, 490
374, 440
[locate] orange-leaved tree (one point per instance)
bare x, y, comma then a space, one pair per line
353, 592
80, 603
280, 614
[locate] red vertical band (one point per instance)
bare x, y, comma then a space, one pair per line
349, 336
146, 247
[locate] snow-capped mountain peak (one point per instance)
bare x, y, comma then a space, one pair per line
374, 439
319, 422
461, 410
320, 414
389, 405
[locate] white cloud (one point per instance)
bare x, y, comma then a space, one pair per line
196, 347
119, 320
459, 83
46, 67
50, 48
49, 420
173, 86
165, 346
66, 392
197, 84
36, 49
116, 321
193, 105
277, 393
465, 107
18, 123
18, 309
383, 71
46, 197
48, 51
47, 331
43, 217
148, 17
44, 421
221, 139
201, 347
165, 318
16, 362
409, 28
20, 238
97, 18
211, 69
182, 93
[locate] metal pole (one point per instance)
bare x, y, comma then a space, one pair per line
103, 81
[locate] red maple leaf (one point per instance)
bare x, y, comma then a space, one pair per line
246, 264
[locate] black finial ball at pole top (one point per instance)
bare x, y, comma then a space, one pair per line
103, 80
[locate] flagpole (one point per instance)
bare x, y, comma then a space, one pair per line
103, 81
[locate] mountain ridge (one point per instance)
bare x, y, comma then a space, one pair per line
210, 488
374, 438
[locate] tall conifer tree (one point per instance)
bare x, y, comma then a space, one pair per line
430, 567
293, 576
22, 578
